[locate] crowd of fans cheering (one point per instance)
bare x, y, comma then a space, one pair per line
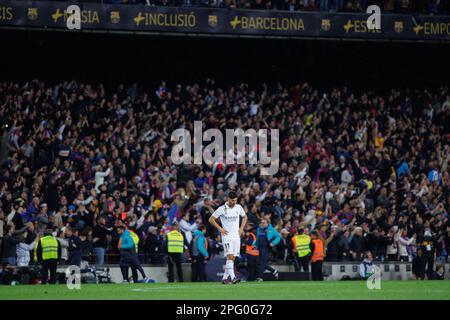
368, 171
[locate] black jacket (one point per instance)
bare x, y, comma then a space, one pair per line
74, 245
418, 266
153, 245
357, 244
9, 246
100, 232
333, 246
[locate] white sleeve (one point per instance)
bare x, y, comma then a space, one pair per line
405, 242
84, 202
218, 212
102, 174
183, 225
30, 246
241, 211
361, 270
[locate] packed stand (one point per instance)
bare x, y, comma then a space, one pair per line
432, 7
367, 171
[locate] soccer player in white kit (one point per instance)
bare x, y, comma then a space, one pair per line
229, 215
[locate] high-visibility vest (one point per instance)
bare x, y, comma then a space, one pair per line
175, 242
317, 255
35, 257
294, 244
302, 245
135, 238
49, 247
251, 249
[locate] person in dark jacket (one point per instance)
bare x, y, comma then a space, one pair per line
153, 245
18, 219
282, 246
428, 244
200, 254
357, 245
344, 245
75, 246
373, 241
99, 241
7, 274
333, 245
86, 246
9, 245
419, 265
51, 194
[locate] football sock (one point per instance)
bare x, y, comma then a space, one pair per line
230, 267
225, 273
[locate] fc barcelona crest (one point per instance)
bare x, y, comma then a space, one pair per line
32, 13
398, 26
115, 17
326, 24
212, 21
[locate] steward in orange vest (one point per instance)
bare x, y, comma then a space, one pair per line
251, 252
317, 249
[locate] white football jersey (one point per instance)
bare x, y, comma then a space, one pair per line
229, 217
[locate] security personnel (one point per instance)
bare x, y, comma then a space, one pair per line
317, 249
252, 253
48, 254
302, 245
293, 246
428, 245
175, 248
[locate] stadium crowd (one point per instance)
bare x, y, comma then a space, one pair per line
388, 6
367, 171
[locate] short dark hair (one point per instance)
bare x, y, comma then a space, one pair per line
232, 195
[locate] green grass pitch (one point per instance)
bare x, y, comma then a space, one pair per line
348, 290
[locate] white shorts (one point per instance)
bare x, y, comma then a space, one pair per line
232, 246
